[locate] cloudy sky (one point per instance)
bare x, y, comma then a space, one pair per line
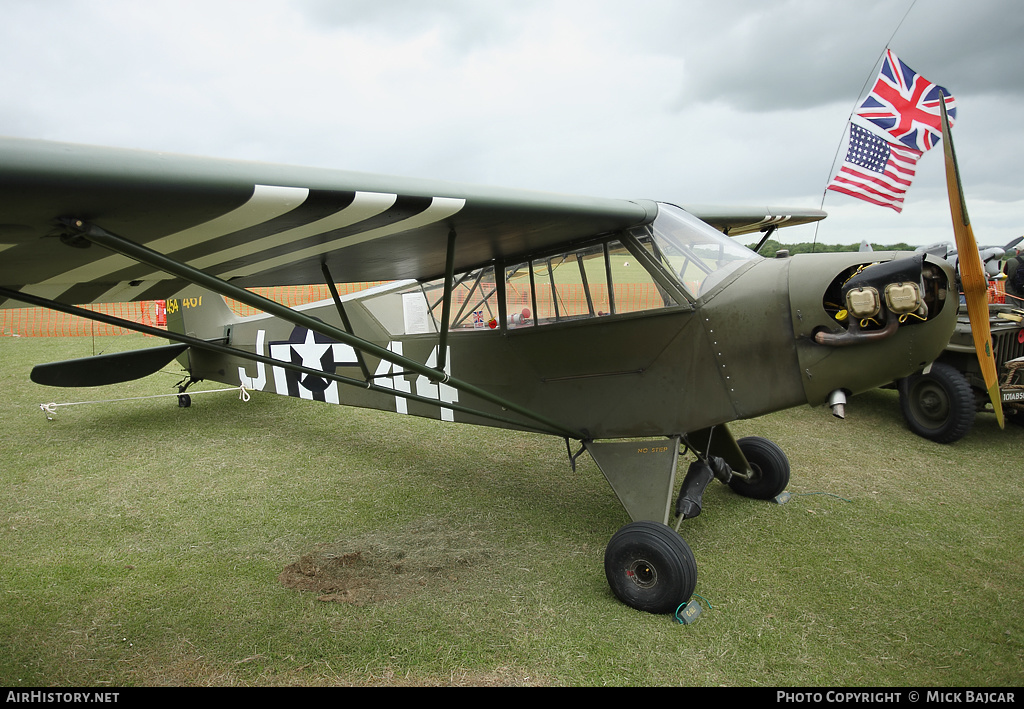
695, 102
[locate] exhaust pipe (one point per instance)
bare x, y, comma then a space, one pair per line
837, 400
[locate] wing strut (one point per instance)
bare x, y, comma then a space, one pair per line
217, 347
767, 235
159, 261
344, 316
446, 307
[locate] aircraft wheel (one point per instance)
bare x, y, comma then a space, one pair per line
650, 567
770, 465
939, 405
184, 401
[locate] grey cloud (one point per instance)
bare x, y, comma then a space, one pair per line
805, 53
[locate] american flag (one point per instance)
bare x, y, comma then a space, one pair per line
876, 170
905, 105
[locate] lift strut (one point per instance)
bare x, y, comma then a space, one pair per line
143, 254
217, 347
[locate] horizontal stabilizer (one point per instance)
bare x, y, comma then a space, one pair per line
106, 369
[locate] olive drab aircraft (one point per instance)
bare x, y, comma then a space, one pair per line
635, 330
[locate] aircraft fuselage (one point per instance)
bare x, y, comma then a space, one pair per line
706, 348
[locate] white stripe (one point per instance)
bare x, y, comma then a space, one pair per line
440, 208
265, 204
365, 206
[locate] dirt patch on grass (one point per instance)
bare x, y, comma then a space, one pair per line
391, 564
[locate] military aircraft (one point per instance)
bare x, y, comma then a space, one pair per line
637, 331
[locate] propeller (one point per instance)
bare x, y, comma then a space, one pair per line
972, 275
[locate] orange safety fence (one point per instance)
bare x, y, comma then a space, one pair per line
562, 301
298, 295
42, 322
996, 292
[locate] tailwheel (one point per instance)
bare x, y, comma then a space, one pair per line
769, 465
184, 400
650, 567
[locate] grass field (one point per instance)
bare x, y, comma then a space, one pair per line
280, 542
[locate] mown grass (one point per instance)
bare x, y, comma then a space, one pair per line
141, 544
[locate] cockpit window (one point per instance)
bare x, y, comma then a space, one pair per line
611, 276
594, 281
474, 301
696, 253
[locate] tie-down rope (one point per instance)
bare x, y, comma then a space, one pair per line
51, 408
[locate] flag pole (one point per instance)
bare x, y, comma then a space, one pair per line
842, 140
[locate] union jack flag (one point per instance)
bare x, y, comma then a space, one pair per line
905, 105
876, 170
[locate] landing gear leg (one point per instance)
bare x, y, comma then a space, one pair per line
184, 400
648, 565
758, 467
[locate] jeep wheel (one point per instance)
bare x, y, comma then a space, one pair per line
939, 405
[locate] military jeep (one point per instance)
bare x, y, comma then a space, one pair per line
940, 403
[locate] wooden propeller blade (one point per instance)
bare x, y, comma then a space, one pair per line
972, 275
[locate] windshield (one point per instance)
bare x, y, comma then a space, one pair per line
698, 254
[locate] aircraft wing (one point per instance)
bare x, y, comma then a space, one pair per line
735, 221
257, 224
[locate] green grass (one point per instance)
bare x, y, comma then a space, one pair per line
142, 544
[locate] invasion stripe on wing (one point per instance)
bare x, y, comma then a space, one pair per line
265, 203
365, 206
440, 208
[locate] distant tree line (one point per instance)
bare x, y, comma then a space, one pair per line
807, 247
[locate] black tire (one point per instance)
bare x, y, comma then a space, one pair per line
770, 465
650, 567
939, 405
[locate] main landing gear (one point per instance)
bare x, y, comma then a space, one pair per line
649, 566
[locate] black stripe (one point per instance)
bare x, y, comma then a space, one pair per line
404, 208
84, 293
163, 290
319, 204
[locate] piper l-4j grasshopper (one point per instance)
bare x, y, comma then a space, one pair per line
634, 330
